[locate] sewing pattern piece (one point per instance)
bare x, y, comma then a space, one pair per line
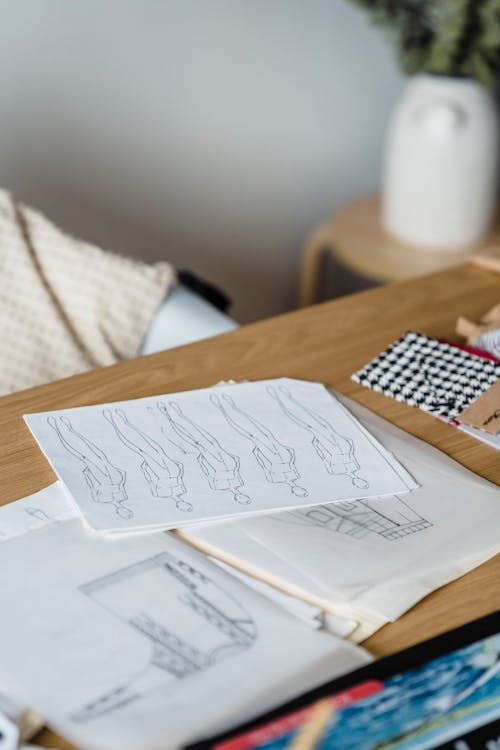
221, 468
432, 375
163, 474
210, 626
276, 460
105, 481
359, 518
336, 452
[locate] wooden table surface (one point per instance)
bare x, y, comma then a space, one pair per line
326, 343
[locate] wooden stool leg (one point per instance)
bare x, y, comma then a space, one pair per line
312, 256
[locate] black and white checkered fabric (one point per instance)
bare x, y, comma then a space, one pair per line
437, 377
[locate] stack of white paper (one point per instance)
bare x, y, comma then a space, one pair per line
313, 616
371, 560
141, 642
228, 451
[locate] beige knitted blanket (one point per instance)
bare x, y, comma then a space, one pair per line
67, 306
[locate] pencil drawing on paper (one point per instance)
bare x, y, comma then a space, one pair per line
190, 621
165, 431
336, 452
37, 513
359, 518
163, 474
276, 460
105, 481
221, 468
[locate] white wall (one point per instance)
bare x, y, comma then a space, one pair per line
213, 133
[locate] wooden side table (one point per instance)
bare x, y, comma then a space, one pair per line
355, 237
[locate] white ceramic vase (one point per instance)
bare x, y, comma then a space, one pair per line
441, 164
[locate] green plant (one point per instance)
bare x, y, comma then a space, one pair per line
446, 37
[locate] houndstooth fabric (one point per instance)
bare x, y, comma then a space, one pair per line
67, 306
424, 372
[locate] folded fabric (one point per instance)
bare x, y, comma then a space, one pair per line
67, 306
436, 377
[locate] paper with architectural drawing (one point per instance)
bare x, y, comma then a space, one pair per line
246, 448
375, 558
142, 642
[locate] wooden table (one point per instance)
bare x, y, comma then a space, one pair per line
326, 343
355, 237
